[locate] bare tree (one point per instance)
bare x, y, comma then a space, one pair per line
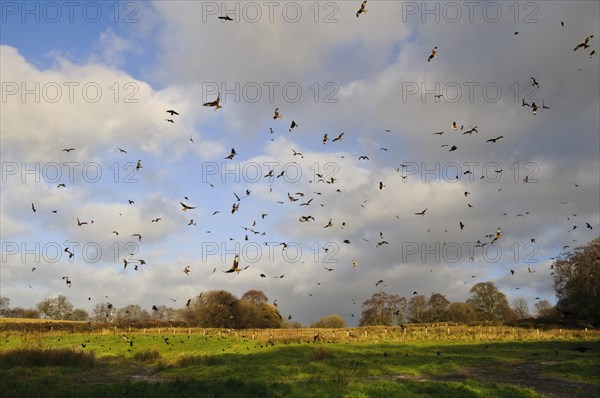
520, 308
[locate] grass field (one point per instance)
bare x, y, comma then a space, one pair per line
83, 360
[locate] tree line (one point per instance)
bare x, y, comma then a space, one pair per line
576, 276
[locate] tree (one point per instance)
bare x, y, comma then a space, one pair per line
132, 313
520, 308
544, 309
56, 308
103, 312
417, 306
4, 306
330, 321
219, 308
490, 303
461, 312
79, 314
19, 312
255, 296
381, 309
577, 283
437, 306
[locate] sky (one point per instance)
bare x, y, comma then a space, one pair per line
99, 77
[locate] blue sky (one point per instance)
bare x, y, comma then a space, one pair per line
357, 76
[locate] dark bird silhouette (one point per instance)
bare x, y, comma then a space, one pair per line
232, 154
338, 138
139, 236
584, 43
170, 120
67, 281
421, 213
225, 18
535, 82
276, 116
215, 103
293, 126
122, 150
493, 140
363, 158
186, 207
68, 149
172, 112
433, 54
453, 148
80, 223
33, 208
361, 9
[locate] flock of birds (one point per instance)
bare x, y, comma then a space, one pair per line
321, 178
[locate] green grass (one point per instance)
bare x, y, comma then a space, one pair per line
223, 366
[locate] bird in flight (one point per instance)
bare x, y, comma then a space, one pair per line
215, 103
186, 207
122, 150
421, 213
297, 154
139, 236
338, 138
33, 208
293, 126
363, 157
68, 149
67, 280
534, 82
170, 120
361, 9
433, 54
226, 18
493, 140
235, 265
277, 115
172, 112
325, 138
584, 43
186, 270
232, 154
80, 223
138, 165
